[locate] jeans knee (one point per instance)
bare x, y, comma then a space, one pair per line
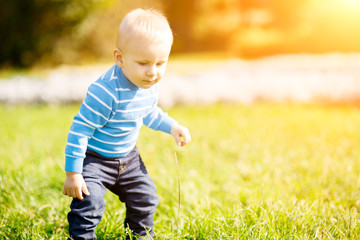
152, 205
91, 206
144, 205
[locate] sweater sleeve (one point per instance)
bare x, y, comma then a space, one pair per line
94, 113
159, 120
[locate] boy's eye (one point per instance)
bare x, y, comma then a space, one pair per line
158, 64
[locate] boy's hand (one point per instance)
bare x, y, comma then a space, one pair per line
181, 135
75, 185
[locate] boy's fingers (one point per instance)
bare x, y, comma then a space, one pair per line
66, 192
186, 137
177, 139
181, 135
78, 194
85, 190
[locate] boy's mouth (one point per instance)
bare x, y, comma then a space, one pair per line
149, 81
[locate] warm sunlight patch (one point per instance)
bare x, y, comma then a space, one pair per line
353, 3
347, 4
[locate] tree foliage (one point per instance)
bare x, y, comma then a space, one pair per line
29, 29
67, 31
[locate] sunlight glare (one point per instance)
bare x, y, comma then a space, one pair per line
348, 3
352, 2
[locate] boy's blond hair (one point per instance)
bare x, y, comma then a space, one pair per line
149, 24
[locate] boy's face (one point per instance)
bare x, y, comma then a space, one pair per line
143, 62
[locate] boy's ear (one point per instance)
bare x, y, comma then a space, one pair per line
118, 58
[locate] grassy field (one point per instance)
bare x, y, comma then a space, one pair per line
263, 171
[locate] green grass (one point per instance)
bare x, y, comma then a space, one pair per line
263, 171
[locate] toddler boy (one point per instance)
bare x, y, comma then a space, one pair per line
101, 150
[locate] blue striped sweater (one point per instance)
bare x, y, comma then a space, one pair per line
110, 118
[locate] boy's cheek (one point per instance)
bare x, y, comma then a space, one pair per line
163, 71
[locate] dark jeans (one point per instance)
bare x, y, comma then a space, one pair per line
126, 177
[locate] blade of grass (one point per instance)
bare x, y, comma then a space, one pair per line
179, 190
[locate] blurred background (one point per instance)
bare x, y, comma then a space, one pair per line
268, 40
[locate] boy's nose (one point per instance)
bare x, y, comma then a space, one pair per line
151, 71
